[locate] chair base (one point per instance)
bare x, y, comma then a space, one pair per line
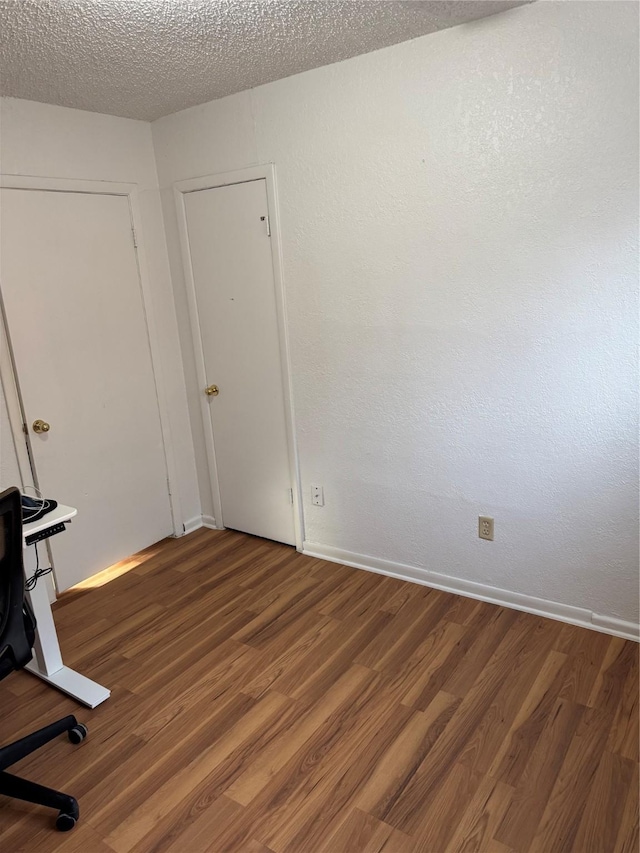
23, 789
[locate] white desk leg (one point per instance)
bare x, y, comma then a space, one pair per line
48, 663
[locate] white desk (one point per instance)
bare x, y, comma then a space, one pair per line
48, 663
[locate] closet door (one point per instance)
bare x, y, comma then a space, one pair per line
237, 334
75, 315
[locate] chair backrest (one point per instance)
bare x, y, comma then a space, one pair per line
16, 638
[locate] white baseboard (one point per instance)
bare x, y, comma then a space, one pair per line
617, 627
198, 522
193, 524
540, 606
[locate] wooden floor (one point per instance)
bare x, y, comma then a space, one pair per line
265, 701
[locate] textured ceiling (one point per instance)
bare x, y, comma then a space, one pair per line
148, 58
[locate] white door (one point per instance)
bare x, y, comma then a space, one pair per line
232, 269
76, 322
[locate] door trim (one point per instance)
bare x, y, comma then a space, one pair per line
130, 191
19, 439
267, 173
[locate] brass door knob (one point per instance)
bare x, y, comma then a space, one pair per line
40, 426
212, 391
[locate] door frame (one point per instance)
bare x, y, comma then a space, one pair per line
267, 173
9, 376
14, 415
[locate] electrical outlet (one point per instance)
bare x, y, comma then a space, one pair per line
485, 527
317, 495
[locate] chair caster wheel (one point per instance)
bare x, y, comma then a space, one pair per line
78, 733
65, 822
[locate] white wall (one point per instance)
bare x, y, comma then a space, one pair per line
459, 220
44, 140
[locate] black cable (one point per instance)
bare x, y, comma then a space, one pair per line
31, 582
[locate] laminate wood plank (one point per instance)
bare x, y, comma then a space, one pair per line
118, 797
108, 670
216, 830
195, 555
262, 594
79, 767
421, 676
397, 627
360, 831
394, 658
586, 655
125, 595
298, 793
196, 690
602, 815
396, 842
210, 677
474, 832
144, 714
513, 753
561, 818
146, 817
20, 684
254, 846
463, 611
208, 576
336, 791
625, 730
200, 565
485, 634
76, 773
408, 811
83, 839
338, 655
398, 766
321, 569
285, 630
78, 650
22, 714
608, 687
491, 731
335, 703
205, 582
376, 599
283, 673
447, 806
468, 656
279, 563
290, 603
80, 638
404, 593
628, 839
170, 553
349, 593
165, 664
529, 800
211, 820
179, 816
268, 702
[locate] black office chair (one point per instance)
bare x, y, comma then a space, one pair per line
17, 635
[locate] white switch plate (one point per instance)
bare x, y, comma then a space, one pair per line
317, 495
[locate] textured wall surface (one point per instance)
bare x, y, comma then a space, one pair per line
48, 141
459, 222
145, 59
